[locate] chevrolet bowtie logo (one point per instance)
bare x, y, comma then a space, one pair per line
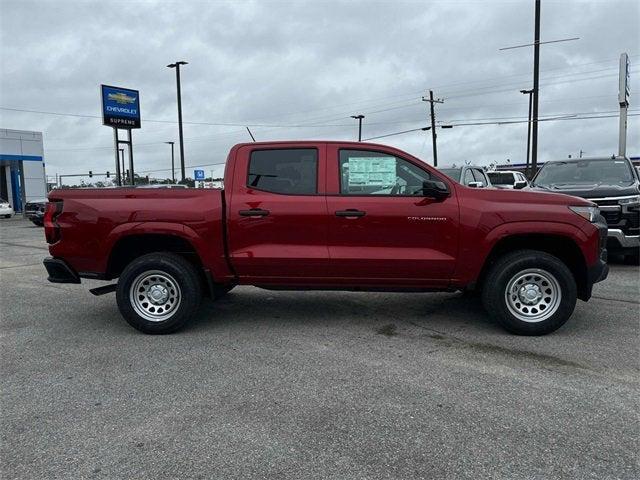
121, 98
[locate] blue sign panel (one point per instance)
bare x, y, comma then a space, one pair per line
198, 174
120, 107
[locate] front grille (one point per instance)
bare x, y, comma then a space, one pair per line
619, 217
33, 207
612, 217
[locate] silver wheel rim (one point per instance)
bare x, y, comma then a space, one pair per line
155, 295
533, 295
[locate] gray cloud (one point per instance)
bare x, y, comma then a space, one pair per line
297, 63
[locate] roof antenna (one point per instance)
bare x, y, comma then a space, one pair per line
252, 137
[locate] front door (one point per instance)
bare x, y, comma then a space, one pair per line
277, 214
382, 229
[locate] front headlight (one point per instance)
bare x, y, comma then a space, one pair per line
588, 213
629, 200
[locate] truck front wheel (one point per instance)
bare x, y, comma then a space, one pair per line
529, 292
158, 292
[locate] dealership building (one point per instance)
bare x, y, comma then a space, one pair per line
22, 171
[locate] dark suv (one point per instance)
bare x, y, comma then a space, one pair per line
34, 210
613, 184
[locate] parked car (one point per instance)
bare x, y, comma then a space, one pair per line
163, 185
328, 215
469, 176
613, 184
6, 210
508, 179
34, 210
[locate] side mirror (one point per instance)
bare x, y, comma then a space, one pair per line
519, 185
475, 185
435, 189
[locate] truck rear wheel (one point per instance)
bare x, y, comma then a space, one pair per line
529, 292
158, 292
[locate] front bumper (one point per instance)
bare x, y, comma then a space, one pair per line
35, 216
617, 238
59, 271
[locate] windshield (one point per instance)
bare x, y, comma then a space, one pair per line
585, 172
498, 178
453, 173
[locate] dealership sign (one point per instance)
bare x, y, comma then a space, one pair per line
198, 174
120, 107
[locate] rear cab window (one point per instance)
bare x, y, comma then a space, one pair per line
287, 171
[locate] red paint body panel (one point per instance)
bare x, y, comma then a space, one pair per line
93, 220
401, 242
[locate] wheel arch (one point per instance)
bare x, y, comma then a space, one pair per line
560, 246
129, 247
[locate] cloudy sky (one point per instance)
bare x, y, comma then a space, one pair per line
298, 69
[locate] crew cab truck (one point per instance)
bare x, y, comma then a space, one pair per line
328, 215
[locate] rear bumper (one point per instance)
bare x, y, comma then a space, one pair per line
59, 271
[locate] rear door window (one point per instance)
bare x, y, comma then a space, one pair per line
291, 171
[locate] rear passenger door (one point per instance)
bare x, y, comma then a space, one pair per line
277, 213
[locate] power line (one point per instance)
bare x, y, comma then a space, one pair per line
392, 106
555, 118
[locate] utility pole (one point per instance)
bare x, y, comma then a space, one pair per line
526, 169
536, 81
536, 85
173, 168
177, 67
359, 118
433, 124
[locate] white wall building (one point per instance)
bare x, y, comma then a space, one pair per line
22, 170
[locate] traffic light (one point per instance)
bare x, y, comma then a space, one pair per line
90, 174
108, 175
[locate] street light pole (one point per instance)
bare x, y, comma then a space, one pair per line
173, 171
359, 118
177, 67
526, 168
122, 170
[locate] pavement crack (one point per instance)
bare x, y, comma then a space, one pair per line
615, 299
453, 341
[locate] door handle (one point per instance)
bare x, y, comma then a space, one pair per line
351, 212
254, 212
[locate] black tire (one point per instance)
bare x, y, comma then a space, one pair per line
7, 216
528, 265
162, 270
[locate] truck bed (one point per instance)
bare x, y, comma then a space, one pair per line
95, 220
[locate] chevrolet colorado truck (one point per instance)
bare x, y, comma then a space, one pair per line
328, 215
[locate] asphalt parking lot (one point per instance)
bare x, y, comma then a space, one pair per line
289, 385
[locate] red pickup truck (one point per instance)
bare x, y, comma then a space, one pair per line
329, 215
